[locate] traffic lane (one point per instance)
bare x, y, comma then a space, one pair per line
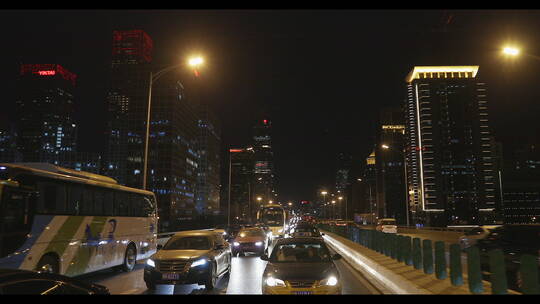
119, 282
246, 275
352, 281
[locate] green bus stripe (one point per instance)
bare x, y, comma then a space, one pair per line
81, 259
64, 235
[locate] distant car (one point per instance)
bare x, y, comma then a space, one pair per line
189, 257
472, 236
387, 225
253, 240
341, 223
304, 230
24, 282
301, 266
514, 241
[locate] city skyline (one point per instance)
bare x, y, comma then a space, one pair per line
309, 125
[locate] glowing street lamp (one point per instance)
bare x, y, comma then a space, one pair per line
511, 51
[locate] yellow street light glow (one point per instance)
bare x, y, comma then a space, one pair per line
259, 198
385, 147
195, 61
512, 51
324, 193
340, 198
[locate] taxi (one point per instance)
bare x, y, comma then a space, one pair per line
301, 266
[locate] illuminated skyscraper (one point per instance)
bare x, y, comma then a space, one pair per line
263, 162
242, 199
449, 158
390, 171
44, 112
127, 101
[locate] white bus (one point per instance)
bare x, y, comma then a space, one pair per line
275, 217
69, 222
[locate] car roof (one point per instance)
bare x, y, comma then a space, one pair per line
294, 240
211, 233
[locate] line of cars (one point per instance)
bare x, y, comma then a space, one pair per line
301, 263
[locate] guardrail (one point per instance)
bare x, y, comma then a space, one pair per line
420, 254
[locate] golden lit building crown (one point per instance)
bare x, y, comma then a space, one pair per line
436, 72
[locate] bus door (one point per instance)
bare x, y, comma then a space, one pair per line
16, 215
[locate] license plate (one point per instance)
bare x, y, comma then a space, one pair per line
170, 276
302, 292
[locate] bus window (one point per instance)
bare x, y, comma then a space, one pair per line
136, 204
16, 216
121, 204
108, 203
148, 206
87, 206
74, 202
52, 198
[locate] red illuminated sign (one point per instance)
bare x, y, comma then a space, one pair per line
48, 70
265, 121
235, 150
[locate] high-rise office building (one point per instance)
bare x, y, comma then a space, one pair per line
127, 101
173, 159
8, 143
449, 158
209, 149
391, 198
264, 162
44, 112
243, 200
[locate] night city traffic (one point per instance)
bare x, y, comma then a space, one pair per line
270, 152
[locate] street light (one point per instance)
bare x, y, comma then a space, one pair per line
511, 51
194, 63
324, 193
333, 209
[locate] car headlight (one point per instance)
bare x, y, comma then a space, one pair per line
199, 262
150, 262
258, 243
236, 244
330, 281
272, 282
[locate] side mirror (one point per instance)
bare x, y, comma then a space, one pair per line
264, 257
159, 246
336, 256
323, 234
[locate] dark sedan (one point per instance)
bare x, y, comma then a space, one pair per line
23, 282
301, 266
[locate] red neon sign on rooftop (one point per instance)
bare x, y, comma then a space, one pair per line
48, 70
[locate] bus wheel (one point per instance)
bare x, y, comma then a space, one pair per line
48, 264
130, 258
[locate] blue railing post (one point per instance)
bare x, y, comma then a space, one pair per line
407, 251
456, 272
474, 270
497, 268
417, 254
440, 261
427, 254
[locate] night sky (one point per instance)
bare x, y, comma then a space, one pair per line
320, 76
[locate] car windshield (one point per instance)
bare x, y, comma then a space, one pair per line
188, 243
301, 252
251, 233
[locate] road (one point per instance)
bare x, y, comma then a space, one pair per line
245, 278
